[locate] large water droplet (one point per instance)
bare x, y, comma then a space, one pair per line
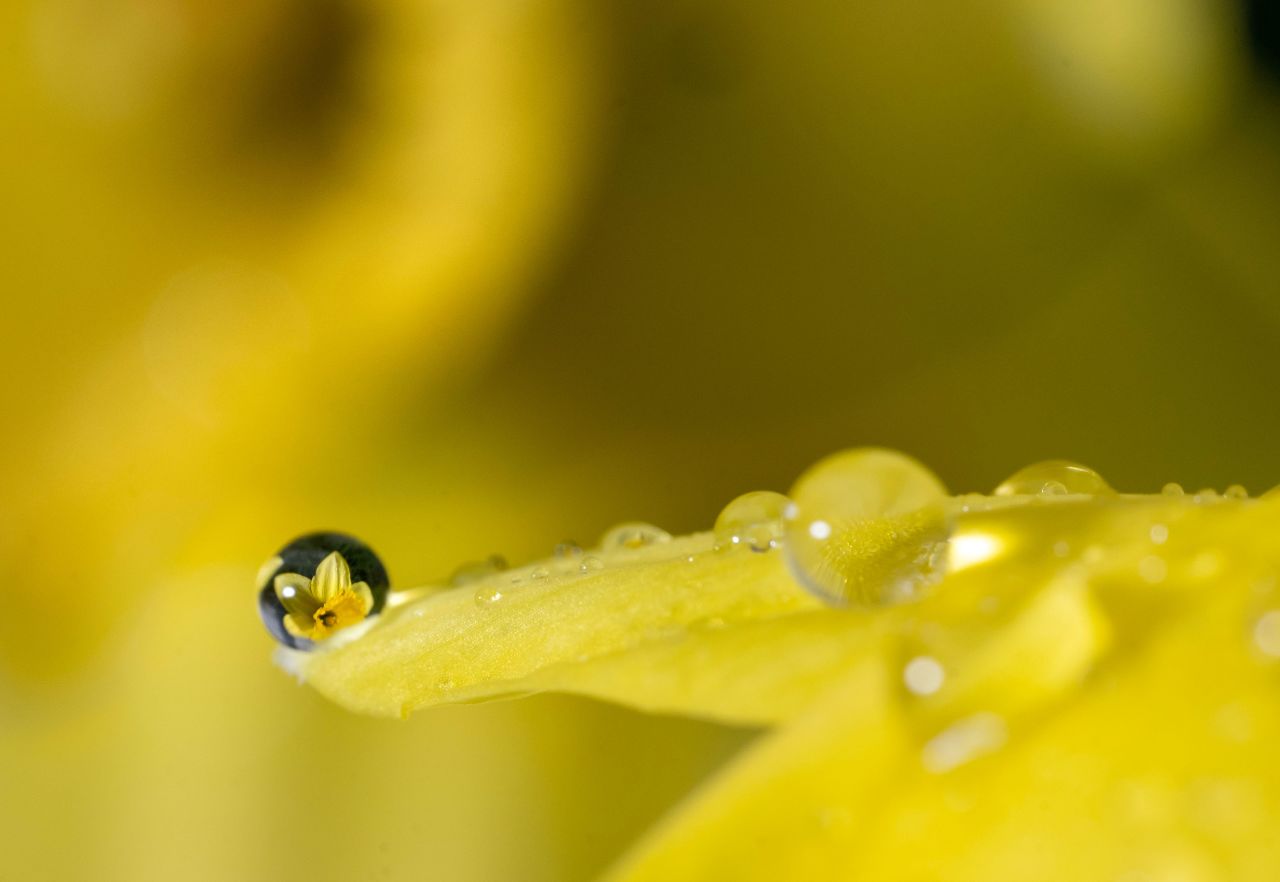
864, 527
1236, 491
753, 520
1054, 477
633, 535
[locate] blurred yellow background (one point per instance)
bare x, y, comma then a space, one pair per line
462, 277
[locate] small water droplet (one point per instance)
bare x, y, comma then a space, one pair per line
474, 571
540, 573
1206, 494
752, 520
965, 741
567, 548
1236, 491
633, 535
1173, 489
1061, 548
1159, 534
923, 675
590, 565
1153, 569
1266, 633
1054, 477
864, 527
488, 595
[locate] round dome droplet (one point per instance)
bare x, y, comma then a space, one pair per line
317, 585
1054, 477
1173, 489
864, 527
633, 535
752, 520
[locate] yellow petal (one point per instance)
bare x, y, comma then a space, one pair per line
793, 806
361, 590
1098, 717
632, 631
294, 591
332, 575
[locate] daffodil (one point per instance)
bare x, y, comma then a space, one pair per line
324, 604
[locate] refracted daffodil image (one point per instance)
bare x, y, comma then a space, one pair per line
741, 443
322, 605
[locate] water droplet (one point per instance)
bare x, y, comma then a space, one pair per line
1206, 494
864, 527
1061, 548
1173, 489
590, 565
1054, 477
753, 520
540, 573
1159, 534
633, 535
1266, 633
474, 571
965, 741
923, 675
1153, 569
488, 595
1236, 491
567, 548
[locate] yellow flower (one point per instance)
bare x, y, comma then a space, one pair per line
319, 606
1071, 684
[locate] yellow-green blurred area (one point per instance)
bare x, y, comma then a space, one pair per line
462, 276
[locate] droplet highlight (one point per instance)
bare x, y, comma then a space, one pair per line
752, 520
1266, 633
923, 675
865, 527
965, 741
1054, 477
